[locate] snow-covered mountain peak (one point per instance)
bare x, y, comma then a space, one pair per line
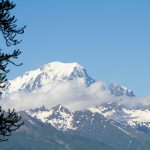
118, 90
59, 117
59, 67
64, 71
54, 72
58, 109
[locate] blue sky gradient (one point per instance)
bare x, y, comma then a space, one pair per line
111, 39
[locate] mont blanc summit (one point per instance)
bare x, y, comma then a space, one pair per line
55, 72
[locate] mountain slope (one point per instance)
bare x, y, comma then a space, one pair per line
118, 90
92, 126
138, 118
36, 135
107, 126
49, 73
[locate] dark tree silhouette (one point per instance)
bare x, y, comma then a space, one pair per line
9, 121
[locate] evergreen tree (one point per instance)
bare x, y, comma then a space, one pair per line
9, 120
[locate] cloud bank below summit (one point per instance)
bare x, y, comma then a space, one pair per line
71, 94
74, 96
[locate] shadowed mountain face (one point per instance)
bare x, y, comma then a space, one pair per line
91, 131
36, 135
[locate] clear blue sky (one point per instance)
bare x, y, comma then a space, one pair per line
110, 38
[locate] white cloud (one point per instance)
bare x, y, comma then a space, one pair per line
73, 95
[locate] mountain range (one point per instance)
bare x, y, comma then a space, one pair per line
110, 125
